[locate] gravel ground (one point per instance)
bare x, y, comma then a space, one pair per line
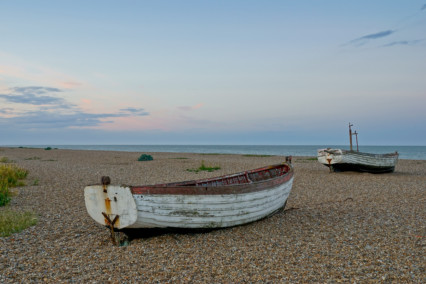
337, 227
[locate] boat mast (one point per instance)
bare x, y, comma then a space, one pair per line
350, 134
356, 136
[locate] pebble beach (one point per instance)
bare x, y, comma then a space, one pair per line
336, 227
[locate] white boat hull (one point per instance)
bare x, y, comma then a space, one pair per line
194, 211
209, 211
342, 160
212, 203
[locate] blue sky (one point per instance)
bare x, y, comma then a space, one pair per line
212, 72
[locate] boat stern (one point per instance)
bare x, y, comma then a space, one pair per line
329, 157
110, 205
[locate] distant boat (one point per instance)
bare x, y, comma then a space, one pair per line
218, 202
342, 160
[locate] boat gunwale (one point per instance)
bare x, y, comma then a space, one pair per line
344, 152
179, 188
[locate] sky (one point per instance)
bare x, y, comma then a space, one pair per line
212, 72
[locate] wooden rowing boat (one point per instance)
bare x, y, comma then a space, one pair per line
219, 202
339, 160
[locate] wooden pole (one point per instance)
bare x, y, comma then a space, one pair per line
356, 136
350, 135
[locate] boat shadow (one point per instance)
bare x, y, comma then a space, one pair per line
147, 233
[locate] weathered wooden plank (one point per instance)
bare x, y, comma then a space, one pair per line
255, 195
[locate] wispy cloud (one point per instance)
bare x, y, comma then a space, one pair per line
134, 111
364, 39
404, 42
34, 96
377, 35
35, 90
6, 110
42, 119
53, 111
360, 41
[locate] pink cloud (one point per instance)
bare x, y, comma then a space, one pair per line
25, 72
136, 123
70, 84
86, 101
189, 108
197, 106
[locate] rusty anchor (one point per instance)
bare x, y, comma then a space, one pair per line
329, 164
111, 224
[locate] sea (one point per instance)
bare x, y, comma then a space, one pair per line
405, 152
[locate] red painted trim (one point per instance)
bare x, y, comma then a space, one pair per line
241, 186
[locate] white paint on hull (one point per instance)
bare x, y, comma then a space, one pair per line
338, 156
115, 201
185, 211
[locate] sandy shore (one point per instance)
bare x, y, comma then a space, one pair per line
350, 227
